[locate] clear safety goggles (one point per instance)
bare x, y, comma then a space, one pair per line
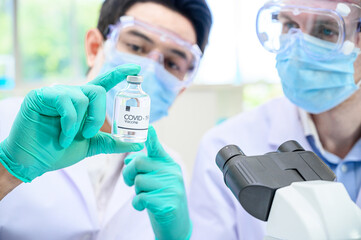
179, 57
331, 24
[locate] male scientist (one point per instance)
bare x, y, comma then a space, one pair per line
91, 200
317, 46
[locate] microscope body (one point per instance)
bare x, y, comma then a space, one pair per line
292, 189
313, 210
255, 179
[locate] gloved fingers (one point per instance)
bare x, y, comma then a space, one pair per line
167, 180
130, 157
150, 182
55, 98
68, 119
139, 201
105, 143
110, 79
71, 105
81, 103
35, 101
152, 202
139, 164
96, 110
154, 148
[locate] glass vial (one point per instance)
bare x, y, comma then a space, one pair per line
131, 112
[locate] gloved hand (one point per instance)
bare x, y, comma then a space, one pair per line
58, 126
160, 189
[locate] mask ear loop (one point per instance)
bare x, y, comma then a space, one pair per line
358, 29
358, 84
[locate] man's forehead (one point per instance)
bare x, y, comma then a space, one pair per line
153, 39
355, 9
310, 3
164, 18
322, 2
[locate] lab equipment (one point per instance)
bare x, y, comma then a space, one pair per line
334, 25
58, 126
258, 131
258, 177
314, 85
159, 84
310, 208
160, 189
131, 112
314, 210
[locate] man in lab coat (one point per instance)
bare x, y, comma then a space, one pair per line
317, 45
92, 199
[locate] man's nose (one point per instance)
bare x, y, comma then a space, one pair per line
157, 56
296, 33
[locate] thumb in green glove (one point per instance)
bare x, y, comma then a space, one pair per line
160, 189
58, 126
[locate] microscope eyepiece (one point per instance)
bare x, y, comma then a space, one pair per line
254, 180
226, 154
290, 146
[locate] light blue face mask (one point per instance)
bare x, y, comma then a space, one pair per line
159, 84
314, 85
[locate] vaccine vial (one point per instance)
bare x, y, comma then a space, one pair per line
131, 112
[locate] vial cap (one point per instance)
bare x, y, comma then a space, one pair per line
135, 79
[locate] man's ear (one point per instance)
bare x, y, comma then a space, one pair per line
93, 42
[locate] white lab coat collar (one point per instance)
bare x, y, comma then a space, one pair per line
285, 125
78, 175
122, 193
310, 129
358, 199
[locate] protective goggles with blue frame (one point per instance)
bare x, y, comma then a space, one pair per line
178, 56
333, 25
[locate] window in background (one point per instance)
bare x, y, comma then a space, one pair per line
42, 42
234, 54
220, 61
7, 63
52, 41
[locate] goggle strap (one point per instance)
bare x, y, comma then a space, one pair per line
275, 16
106, 32
359, 25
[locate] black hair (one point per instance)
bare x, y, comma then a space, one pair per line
196, 11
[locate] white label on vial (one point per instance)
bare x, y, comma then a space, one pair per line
133, 118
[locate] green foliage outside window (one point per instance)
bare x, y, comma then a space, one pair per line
5, 23
51, 37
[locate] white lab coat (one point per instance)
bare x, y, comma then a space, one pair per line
61, 205
215, 212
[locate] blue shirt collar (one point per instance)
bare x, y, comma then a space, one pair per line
310, 130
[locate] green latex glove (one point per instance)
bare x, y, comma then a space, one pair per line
160, 189
58, 126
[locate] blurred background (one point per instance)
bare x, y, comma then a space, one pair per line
42, 43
